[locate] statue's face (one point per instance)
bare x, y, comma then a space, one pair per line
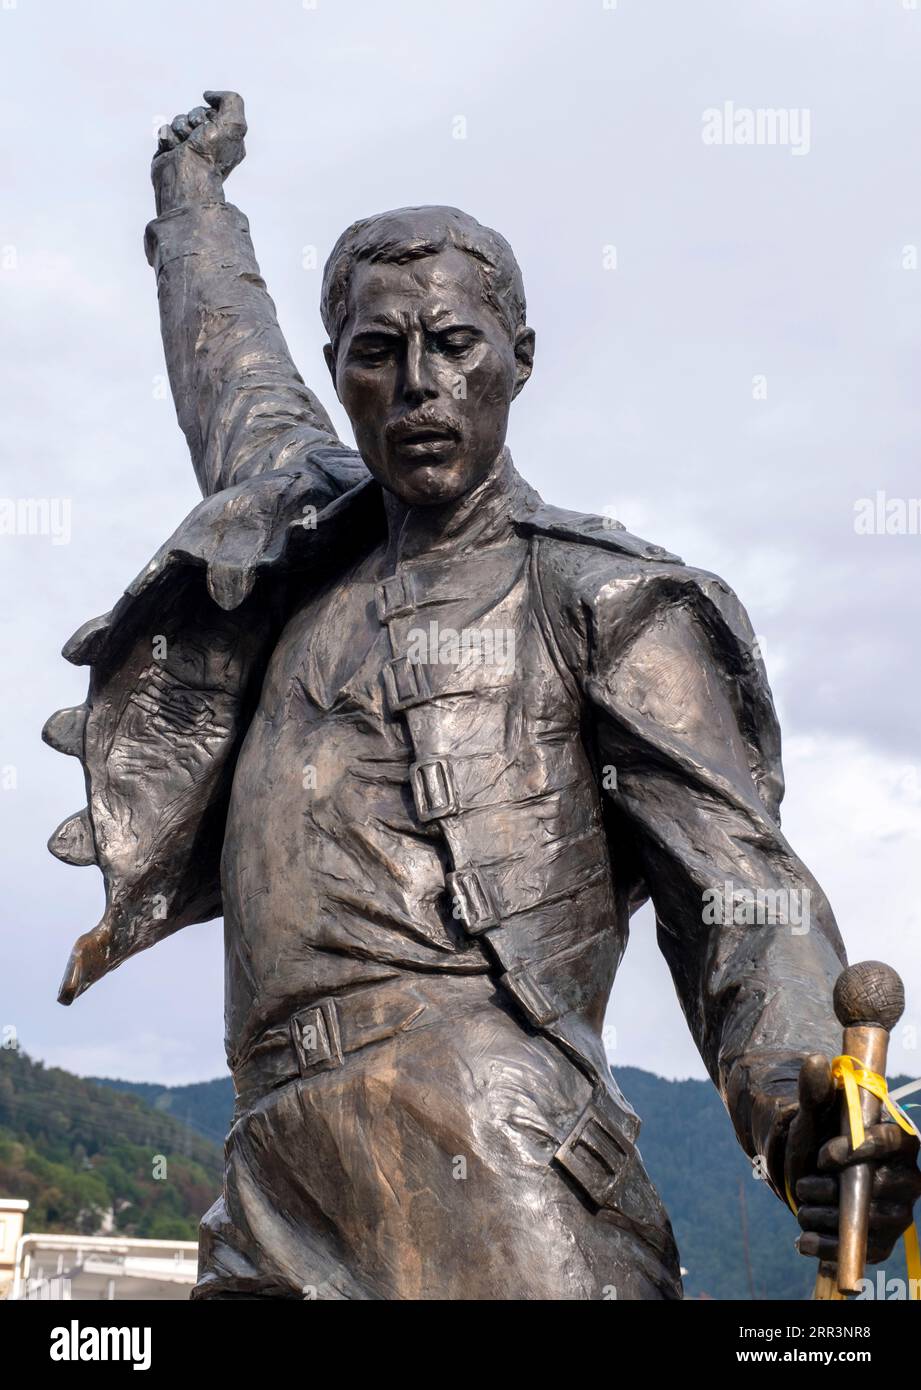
426, 371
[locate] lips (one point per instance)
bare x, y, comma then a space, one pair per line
424, 441
425, 436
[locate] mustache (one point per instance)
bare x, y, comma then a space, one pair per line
437, 421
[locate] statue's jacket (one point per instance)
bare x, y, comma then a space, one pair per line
589, 725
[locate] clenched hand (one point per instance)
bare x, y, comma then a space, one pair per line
816, 1154
197, 151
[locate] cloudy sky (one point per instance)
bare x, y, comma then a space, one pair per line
728, 359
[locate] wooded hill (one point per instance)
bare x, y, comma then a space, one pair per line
89, 1158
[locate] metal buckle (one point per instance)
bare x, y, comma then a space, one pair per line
434, 789
597, 1156
407, 684
395, 597
315, 1037
473, 898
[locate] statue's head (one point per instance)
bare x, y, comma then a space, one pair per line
425, 312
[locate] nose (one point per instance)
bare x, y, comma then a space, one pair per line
418, 385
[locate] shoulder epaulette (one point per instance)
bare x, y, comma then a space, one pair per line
583, 528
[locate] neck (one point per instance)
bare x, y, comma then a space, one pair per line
471, 520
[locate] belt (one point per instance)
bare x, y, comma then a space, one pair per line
597, 1152
319, 1036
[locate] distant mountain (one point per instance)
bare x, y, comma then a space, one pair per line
688, 1146
205, 1105
90, 1159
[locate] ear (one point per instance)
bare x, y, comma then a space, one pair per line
331, 364
524, 358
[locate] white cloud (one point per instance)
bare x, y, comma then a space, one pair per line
854, 816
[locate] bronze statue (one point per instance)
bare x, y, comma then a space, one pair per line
427, 742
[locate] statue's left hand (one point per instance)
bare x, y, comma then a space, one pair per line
816, 1153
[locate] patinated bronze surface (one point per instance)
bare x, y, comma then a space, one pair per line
427, 743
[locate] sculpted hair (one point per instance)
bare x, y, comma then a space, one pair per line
409, 234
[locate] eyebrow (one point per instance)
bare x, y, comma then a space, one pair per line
446, 313
387, 327
379, 323
459, 327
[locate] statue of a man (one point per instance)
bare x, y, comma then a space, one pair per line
427, 742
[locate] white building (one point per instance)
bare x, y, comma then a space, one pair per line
71, 1267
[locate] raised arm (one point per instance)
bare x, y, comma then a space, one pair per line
242, 405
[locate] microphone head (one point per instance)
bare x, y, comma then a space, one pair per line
870, 992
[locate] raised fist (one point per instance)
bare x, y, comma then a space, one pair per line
215, 132
197, 152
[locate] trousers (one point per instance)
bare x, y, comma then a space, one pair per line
442, 1162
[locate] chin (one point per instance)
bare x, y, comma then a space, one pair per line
431, 485
434, 491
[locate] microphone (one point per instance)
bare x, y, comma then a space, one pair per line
869, 1000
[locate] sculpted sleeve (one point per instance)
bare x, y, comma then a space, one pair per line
688, 750
175, 668
242, 405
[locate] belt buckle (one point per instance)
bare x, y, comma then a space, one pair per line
474, 900
315, 1038
406, 683
434, 788
597, 1155
395, 597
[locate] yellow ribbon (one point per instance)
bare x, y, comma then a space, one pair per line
913, 1261
790, 1202
850, 1075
